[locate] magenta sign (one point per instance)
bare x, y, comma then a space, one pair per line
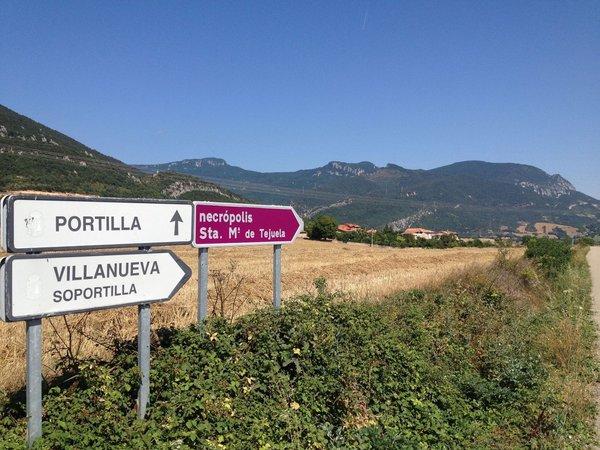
222, 224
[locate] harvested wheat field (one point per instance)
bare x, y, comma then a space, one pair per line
242, 275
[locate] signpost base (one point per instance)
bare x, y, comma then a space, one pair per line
277, 276
202, 284
34, 380
143, 358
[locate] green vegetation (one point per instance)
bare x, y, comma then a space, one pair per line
588, 240
35, 157
390, 238
498, 357
551, 255
321, 228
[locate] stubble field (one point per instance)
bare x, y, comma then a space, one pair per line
244, 275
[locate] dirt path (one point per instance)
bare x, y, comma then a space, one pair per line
594, 262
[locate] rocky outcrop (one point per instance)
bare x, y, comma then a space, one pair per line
179, 188
204, 162
554, 188
342, 169
405, 222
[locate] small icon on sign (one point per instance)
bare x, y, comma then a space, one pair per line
33, 224
176, 218
34, 284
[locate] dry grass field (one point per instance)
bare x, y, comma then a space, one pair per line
356, 269
545, 228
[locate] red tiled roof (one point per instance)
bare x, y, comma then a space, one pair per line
348, 227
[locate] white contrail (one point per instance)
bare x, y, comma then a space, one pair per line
364, 25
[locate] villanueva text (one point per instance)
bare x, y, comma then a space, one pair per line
73, 273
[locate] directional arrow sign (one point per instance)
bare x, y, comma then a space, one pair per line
38, 223
223, 224
176, 219
34, 286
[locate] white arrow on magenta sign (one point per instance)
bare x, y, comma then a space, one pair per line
35, 286
39, 223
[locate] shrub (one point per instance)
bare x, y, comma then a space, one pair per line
551, 255
586, 240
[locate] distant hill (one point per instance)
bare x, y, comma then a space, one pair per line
474, 197
35, 157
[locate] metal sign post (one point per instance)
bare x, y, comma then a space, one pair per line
202, 284
34, 380
277, 276
143, 358
144, 316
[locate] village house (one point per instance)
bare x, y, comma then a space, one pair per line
440, 234
348, 227
419, 233
428, 234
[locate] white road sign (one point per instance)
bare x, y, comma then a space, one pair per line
34, 286
38, 223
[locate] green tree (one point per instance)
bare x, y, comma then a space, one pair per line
321, 228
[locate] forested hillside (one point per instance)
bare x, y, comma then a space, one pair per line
35, 157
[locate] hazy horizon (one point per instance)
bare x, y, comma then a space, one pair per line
381, 164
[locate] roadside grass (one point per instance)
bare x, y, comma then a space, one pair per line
570, 347
494, 357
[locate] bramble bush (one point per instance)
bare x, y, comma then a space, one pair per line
551, 255
461, 365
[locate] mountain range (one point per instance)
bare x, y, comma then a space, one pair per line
34, 157
474, 197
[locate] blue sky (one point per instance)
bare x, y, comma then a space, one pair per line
286, 85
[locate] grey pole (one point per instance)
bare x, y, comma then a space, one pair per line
144, 319
143, 358
277, 276
34, 380
202, 284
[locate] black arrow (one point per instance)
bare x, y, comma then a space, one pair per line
176, 218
